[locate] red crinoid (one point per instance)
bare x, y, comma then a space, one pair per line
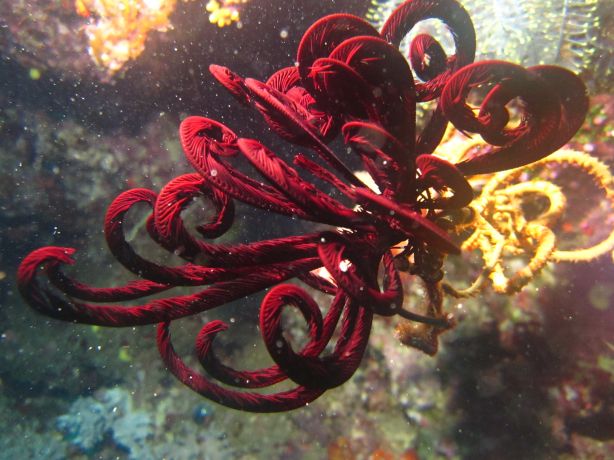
352, 80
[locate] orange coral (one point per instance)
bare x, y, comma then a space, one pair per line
117, 30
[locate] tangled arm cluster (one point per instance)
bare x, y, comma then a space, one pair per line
350, 80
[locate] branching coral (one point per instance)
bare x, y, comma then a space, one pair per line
500, 226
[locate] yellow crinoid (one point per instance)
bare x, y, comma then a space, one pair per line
502, 229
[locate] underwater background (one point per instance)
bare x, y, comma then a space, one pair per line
92, 93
